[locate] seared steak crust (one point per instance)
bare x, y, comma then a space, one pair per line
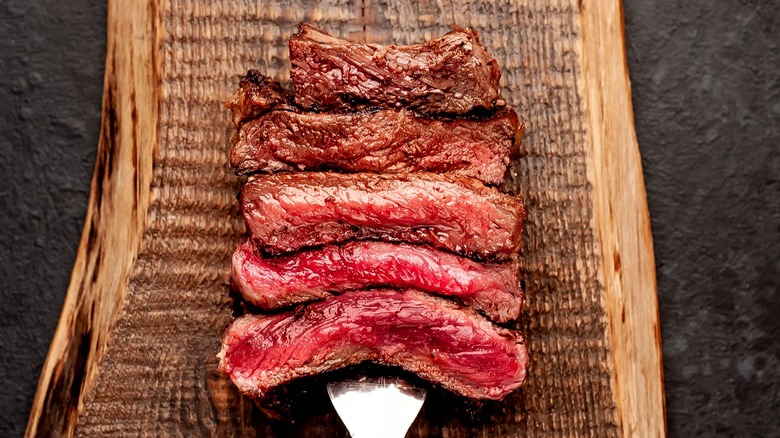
451, 74
289, 211
256, 95
384, 141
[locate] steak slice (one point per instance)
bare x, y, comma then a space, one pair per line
289, 211
386, 141
256, 95
451, 74
270, 283
431, 337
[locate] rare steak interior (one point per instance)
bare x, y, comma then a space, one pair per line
376, 231
431, 337
274, 282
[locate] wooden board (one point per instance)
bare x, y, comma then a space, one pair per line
133, 353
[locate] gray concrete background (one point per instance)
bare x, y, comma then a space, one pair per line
706, 85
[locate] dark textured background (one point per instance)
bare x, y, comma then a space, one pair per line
706, 91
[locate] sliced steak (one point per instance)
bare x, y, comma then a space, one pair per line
256, 95
451, 74
289, 211
433, 338
386, 141
270, 283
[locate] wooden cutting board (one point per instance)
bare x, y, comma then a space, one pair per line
134, 350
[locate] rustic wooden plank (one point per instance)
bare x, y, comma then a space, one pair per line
116, 216
595, 373
622, 224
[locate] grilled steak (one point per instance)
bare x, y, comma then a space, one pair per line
257, 94
451, 74
270, 283
388, 141
451, 347
290, 211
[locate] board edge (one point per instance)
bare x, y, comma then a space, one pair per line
120, 194
622, 223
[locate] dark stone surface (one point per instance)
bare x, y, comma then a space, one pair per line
51, 82
706, 91
706, 88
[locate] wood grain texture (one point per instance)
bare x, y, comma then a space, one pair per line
116, 217
594, 371
622, 225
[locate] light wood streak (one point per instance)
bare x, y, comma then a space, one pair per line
622, 224
115, 220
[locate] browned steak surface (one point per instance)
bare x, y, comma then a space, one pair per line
451, 74
289, 211
385, 141
256, 95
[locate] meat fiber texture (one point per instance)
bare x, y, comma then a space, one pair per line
411, 133
256, 95
448, 346
271, 283
288, 212
451, 74
384, 141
